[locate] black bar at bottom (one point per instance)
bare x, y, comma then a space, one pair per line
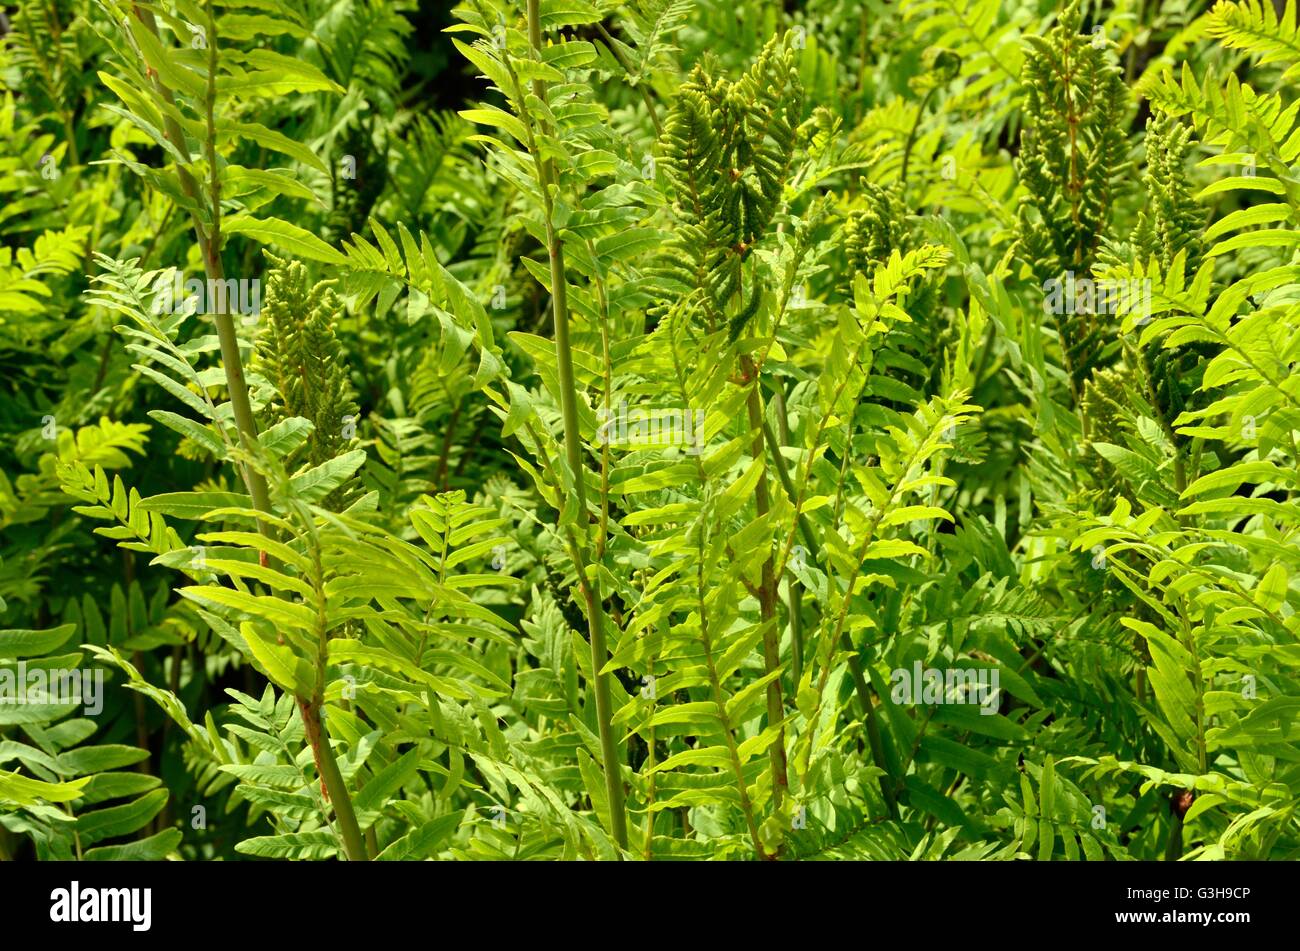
339, 901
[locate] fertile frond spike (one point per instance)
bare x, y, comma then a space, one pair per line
727, 149
870, 234
1172, 221
298, 352
1073, 148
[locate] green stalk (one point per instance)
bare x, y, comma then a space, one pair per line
793, 590
573, 452
313, 719
326, 764
650, 814
241, 406
210, 246
767, 589
230, 358
860, 685
733, 752
640, 85
911, 140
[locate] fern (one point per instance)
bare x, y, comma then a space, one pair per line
1261, 29
645, 395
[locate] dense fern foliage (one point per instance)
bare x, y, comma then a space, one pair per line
649, 429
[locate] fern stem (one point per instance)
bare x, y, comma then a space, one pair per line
1130, 67
327, 765
793, 591
856, 671
911, 141
49, 73
746, 806
715, 683
639, 86
573, 451
313, 719
767, 589
209, 245
841, 635
650, 814
607, 377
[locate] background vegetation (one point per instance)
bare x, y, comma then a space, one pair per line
374, 568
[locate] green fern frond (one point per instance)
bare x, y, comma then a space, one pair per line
1261, 29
